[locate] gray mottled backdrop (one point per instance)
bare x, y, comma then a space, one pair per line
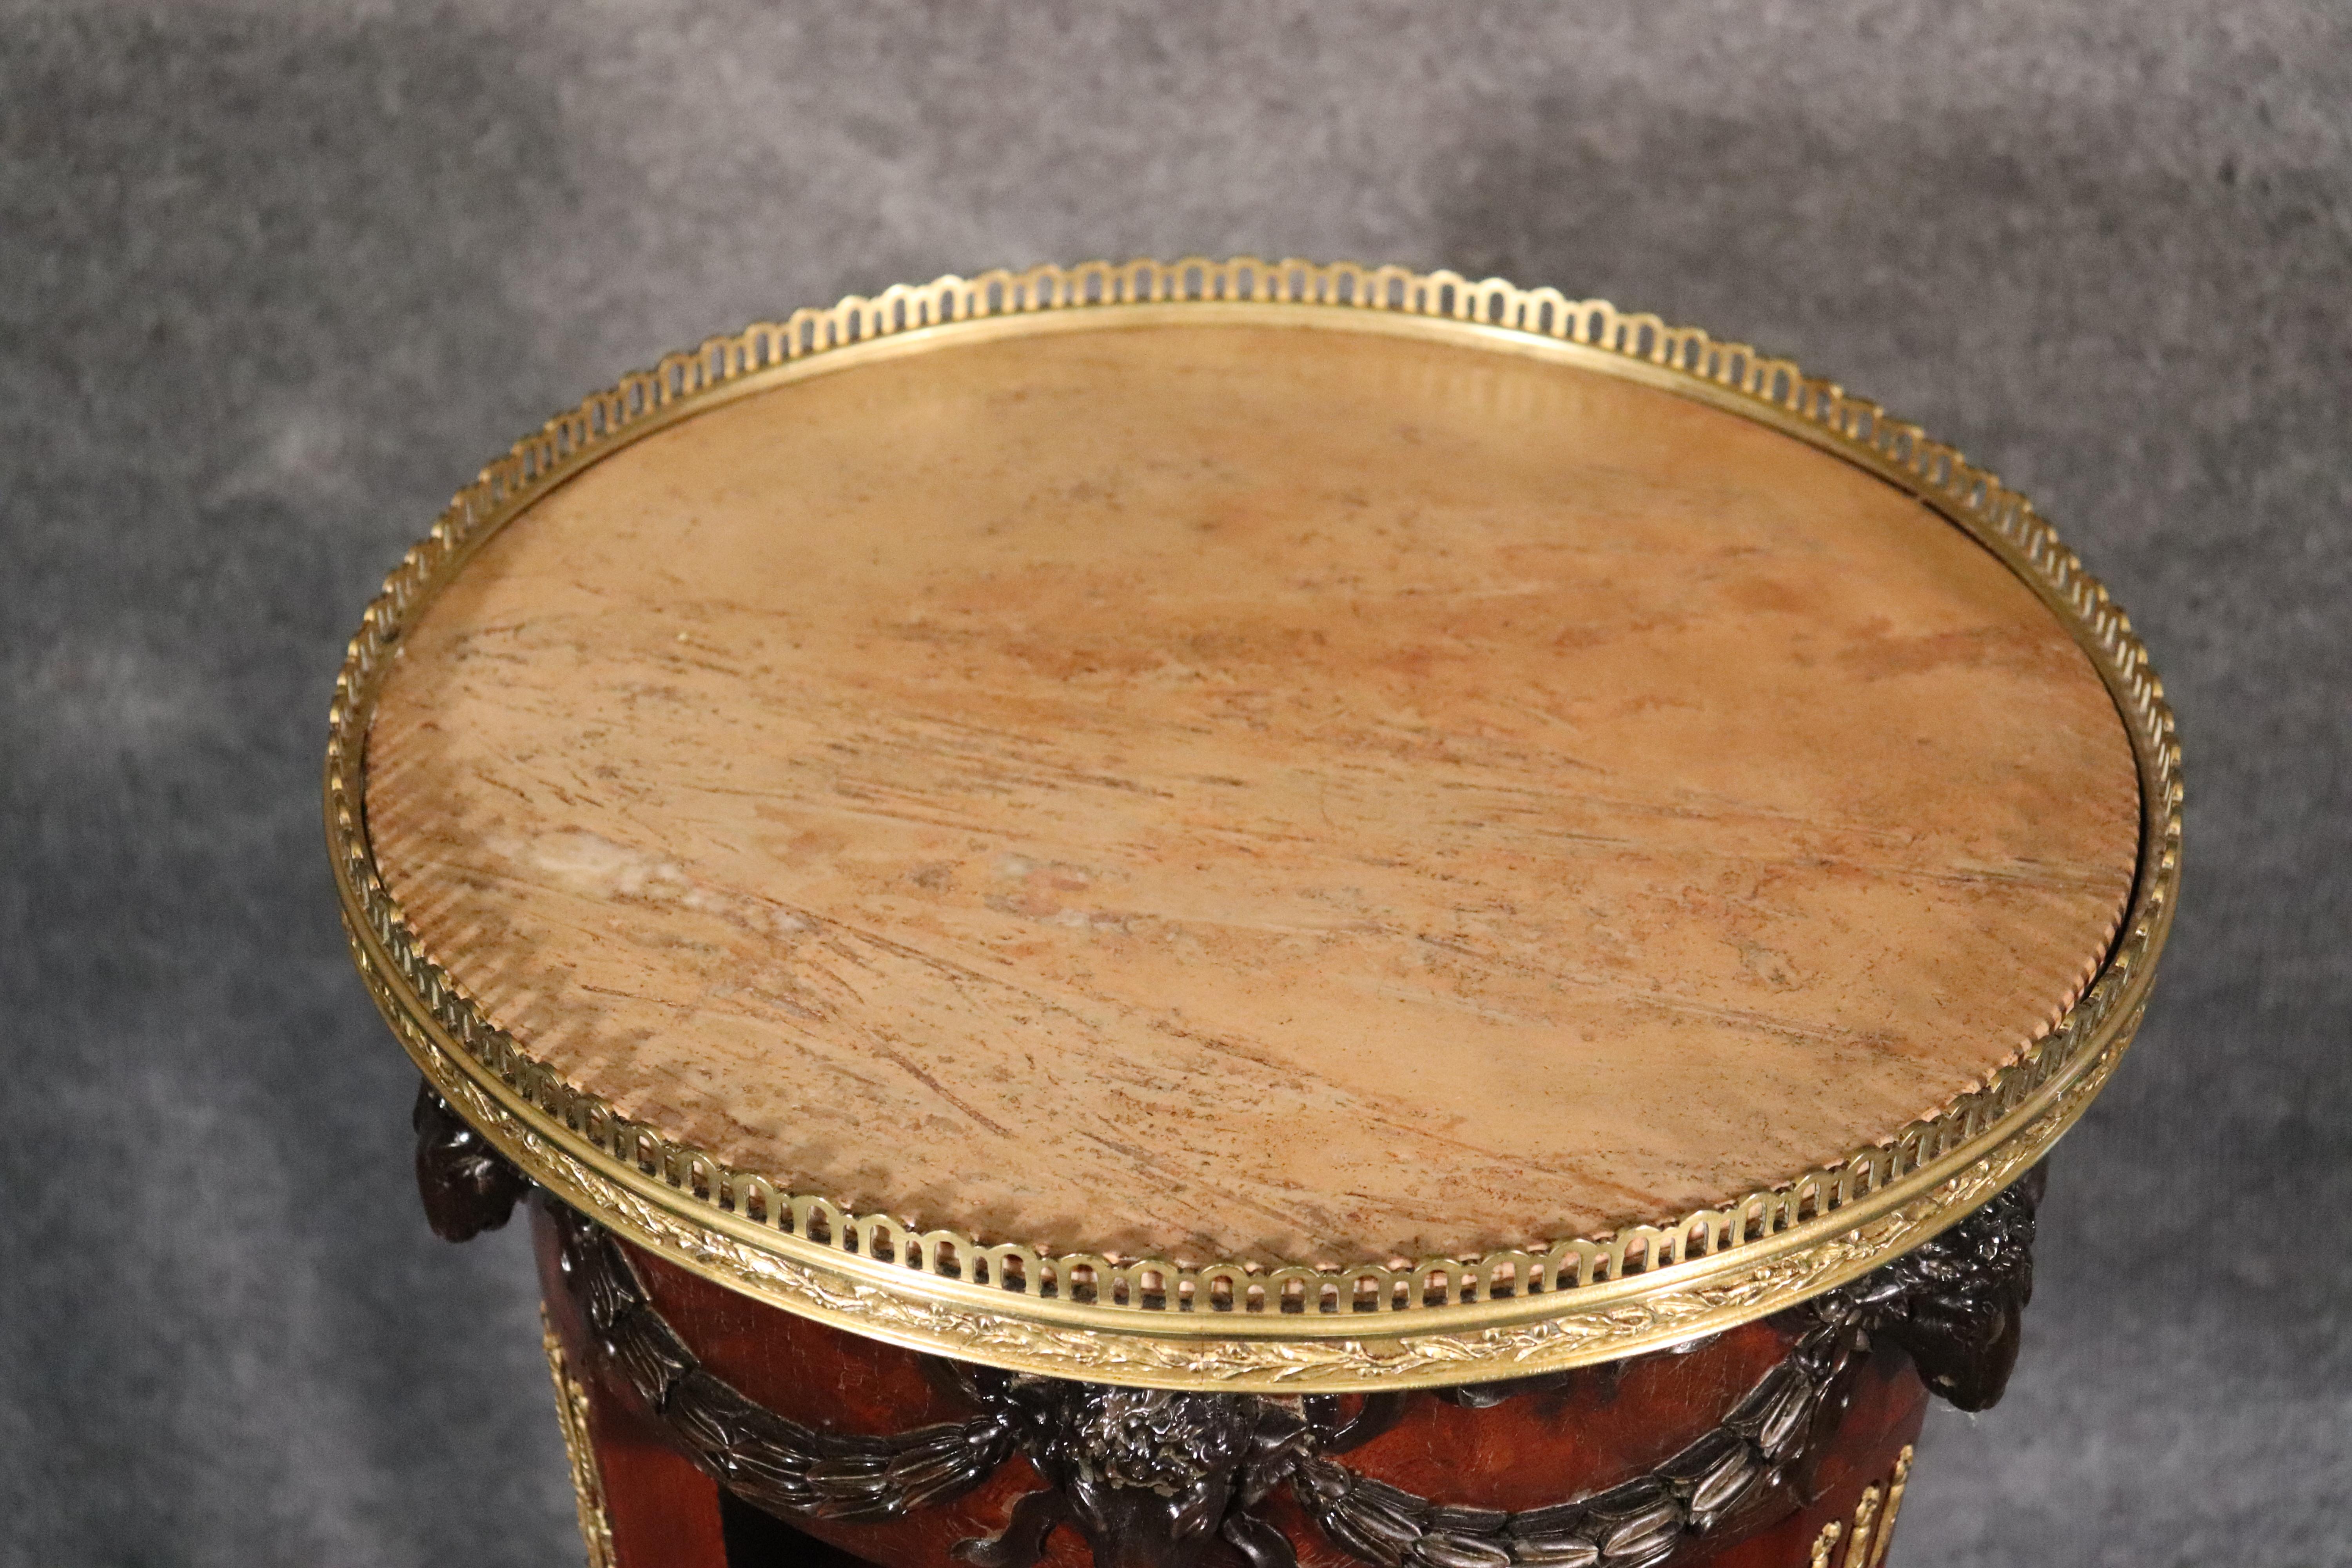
276, 277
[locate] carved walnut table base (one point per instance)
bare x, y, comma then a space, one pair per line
708, 1430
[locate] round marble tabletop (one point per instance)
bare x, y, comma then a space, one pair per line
1228, 791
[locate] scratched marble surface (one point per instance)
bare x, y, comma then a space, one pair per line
1239, 791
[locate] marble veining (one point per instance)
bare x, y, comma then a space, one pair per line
1252, 792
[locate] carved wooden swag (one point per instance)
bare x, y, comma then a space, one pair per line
1154, 1478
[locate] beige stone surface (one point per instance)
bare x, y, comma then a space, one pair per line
1247, 791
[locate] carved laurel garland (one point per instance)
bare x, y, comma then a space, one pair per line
1168, 1320
1156, 1477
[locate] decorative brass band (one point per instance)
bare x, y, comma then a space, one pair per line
1865, 1547
587, 1476
1159, 1477
1204, 1324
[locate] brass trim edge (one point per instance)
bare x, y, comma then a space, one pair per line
587, 1476
1867, 1543
1165, 1322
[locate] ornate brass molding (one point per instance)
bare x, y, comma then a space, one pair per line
587, 1477
1206, 1323
1156, 1479
1867, 1539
